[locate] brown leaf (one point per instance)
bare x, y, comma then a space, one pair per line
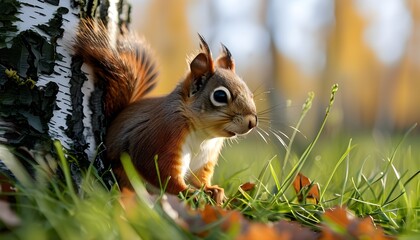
228, 218
304, 187
230, 221
247, 186
339, 216
197, 221
340, 223
263, 231
366, 229
284, 230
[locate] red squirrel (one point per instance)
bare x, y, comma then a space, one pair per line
185, 129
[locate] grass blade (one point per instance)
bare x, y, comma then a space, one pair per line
66, 170
343, 157
298, 166
305, 108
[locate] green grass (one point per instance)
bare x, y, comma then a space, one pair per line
353, 173
372, 178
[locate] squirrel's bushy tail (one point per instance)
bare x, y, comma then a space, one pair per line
113, 63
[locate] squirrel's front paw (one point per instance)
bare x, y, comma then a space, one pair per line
217, 193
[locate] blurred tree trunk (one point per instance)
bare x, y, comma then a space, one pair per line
44, 93
171, 39
384, 116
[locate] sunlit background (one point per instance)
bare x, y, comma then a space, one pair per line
284, 49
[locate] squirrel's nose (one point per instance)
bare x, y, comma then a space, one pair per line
253, 121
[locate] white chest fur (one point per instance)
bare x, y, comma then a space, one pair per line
198, 150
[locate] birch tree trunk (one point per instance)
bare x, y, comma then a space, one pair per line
45, 93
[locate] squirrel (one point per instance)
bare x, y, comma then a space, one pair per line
185, 129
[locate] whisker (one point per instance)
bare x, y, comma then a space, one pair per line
266, 133
264, 119
265, 92
223, 156
260, 87
265, 124
229, 142
259, 133
298, 131
280, 132
270, 109
261, 100
232, 141
280, 139
210, 122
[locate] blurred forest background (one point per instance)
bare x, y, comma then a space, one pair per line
370, 48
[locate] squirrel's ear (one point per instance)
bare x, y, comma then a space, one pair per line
200, 65
203, 62
225, 60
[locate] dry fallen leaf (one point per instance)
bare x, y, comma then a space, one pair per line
226, 218
231, 221
340, 223
262, 231
306, 190
282, 230
247, 186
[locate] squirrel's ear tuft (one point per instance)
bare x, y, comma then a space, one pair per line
205, 47
201, 65
225, 60
203, 62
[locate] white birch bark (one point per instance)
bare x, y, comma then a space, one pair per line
73, 119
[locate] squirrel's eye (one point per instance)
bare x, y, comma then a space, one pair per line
220, 96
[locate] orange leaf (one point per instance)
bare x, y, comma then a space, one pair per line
227, 218
300, 183
247, 186
283, 230
366, 229
336, 221
339, 216
231, 222
263, 231
212, 214
340, 224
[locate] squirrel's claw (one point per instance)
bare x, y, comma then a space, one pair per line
217, 193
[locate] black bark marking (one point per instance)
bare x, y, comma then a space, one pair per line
30, 54
8, 11
54, 26
28, 107
74, 121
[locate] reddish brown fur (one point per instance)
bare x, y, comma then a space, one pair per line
128, 71
146, 128
154, 131
203, 175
